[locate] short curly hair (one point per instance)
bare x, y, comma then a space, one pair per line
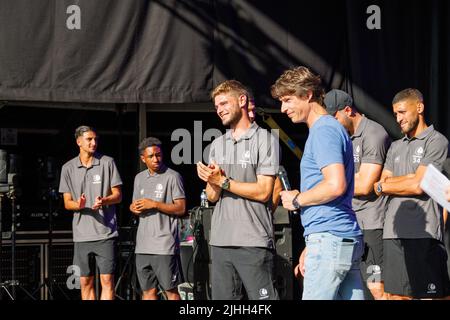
299, 81
149, 142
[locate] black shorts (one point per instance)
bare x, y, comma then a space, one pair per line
104, 252
415, 268
372, 259
233, 267
154, 269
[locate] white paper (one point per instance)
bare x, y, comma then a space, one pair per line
434, 183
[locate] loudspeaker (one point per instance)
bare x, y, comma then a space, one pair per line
127, 286
3, 167
32, 264
62, 259
28, 268
187, 261
195, 256
288, 245
186, 289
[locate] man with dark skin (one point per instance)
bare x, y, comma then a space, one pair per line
158, 201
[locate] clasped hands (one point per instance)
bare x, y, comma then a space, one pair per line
82, 202
141, 205
211, 173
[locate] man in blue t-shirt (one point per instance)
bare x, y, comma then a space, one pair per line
334, 242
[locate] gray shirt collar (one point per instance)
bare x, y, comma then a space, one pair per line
247, 134
425, 133
361, 127
95, 161
157, 174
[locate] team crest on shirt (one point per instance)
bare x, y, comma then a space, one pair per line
96, 179
431, 288
245, 159
418, 155
356, 154
263, 293
159, 191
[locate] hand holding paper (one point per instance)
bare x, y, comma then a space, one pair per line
437, 186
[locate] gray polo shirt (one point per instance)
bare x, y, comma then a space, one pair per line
370, 145
158, 232
237, 221
410, 217
97, 180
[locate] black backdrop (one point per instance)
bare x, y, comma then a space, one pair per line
167, 51
176, 51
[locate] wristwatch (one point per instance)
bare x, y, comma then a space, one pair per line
379, 188
226, 184
295, 202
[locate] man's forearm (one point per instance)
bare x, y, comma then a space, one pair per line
251, 190
406, 178
362, 188
177, 209
213, 192
71, 205
402, 187
366, 177
323, 192
113, 198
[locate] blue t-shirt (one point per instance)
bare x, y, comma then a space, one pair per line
328, 143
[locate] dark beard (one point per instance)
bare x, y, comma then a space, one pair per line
233, 120
413, 126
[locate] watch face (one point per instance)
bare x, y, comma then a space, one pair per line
379, 188
226, 184
295, 204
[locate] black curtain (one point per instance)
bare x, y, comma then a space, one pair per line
168, 51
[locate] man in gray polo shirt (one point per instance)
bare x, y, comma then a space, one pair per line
414, 253
240, 178
158, 201
91, 187
278, 187
370, 144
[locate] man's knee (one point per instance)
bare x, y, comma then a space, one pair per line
107, 280
150, 294
87, 282
377, 290
173, 294
391, 296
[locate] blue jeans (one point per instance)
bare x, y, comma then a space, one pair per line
332, 268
